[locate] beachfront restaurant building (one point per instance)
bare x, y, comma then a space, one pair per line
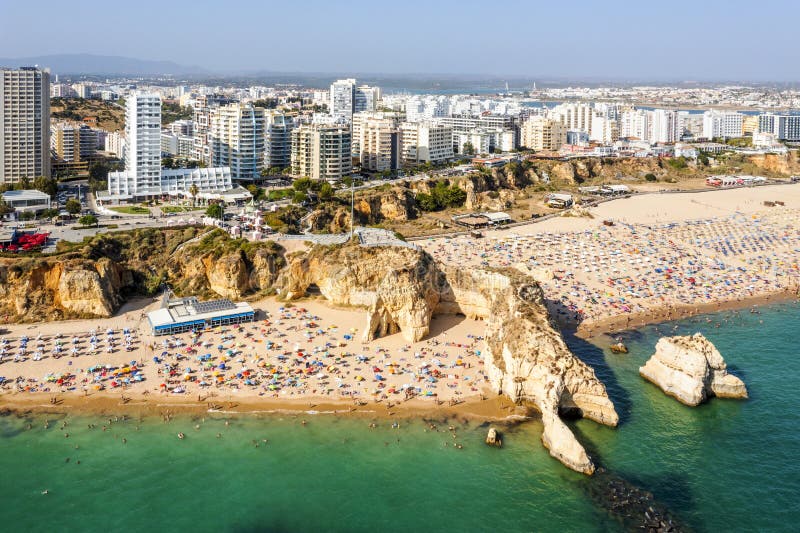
186, 314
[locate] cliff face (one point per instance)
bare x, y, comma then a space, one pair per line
691, 369
782, 164
395, 204
51, 290
391, 283
526, 359
95, 278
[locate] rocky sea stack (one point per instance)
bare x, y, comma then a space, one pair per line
691, 369
526, 358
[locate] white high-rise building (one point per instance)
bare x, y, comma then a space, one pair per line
635, 124
576, 116
342, 98
143, 177
322, 151
24, 124
666, 126
278, 140
722, 124
366, 98
236, 136
346, 98
143, 134
425, 142
602, 129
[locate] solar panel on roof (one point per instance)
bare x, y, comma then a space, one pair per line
213, 305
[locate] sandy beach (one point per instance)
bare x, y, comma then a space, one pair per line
664, 257
296, 357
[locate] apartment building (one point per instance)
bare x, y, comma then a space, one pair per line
666, 126
201, 119
322, 151
143, 134
784, 127
73, 142
236, 138
379, 141
425, 142
358, 123
466, 123
143, 177
347, 98
540, 133
576, 116
115, 143
342, 98
722, 124
24, 124
635, 124
278, 140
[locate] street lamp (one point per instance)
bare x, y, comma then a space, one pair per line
352, 204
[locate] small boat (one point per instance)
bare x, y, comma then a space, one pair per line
619, 347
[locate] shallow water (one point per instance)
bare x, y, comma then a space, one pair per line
727, 465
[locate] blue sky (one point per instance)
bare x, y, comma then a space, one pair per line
577, 39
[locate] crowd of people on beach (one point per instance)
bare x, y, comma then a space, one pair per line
633, 268
291, 354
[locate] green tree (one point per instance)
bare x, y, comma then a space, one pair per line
256, 191
302, 184
87, 220
468, 149
48, 213
426, 202
678, 163
24, 182
650, 177
47, 185
299, 197
5, 209
215, 211
193, 190
325, 191
73, 206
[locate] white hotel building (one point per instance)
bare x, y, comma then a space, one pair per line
143, 177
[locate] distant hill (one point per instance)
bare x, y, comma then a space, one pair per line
104, 65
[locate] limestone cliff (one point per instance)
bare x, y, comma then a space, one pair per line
93, 278
691, 369
786, 164
391, 283
526, 358
46, 290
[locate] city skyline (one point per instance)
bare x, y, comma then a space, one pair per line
589, 41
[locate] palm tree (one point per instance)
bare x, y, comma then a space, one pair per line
193, 190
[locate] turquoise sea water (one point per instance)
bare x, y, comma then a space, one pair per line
725, 466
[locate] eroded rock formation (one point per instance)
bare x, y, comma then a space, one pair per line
526, 358
94, 279
691, 369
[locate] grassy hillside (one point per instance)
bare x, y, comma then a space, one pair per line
110, 116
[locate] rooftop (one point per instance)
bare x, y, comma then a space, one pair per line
183, 310
27, 194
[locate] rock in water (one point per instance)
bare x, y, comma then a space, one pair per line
691, 369
493, 438
525, 358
